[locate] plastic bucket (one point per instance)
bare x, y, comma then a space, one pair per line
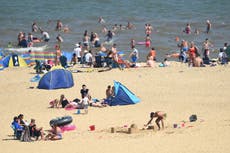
92, 127
175, 125
78, 111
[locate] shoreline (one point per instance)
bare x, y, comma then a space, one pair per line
178, 90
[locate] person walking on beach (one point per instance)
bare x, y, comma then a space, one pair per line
160, 116
84, 91
193, 52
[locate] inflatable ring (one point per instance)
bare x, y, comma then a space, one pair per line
61, 121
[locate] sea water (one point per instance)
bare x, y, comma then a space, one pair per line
168, 18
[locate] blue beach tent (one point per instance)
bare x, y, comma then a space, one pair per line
56, 79
123, 96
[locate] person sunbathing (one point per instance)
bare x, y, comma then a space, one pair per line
97, 103
54, 133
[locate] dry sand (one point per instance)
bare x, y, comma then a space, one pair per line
178, 90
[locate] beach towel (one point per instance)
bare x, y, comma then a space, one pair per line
26, 135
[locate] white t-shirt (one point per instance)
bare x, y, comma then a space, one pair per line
85, 101
88, 57
45, 35
135, 52
77, 51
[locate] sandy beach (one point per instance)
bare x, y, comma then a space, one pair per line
178, 90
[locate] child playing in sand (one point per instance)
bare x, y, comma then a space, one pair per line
160, 116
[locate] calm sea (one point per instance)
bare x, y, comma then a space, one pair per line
168, 18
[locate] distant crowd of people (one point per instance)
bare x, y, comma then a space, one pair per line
93, 52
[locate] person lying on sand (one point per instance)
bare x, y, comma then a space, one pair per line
160, 116
54, 133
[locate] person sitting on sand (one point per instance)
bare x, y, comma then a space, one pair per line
62, 102
150, 62
16, 124
73, 59
34, 131
54, 133
84, 91
160, 116
152, 53
165, 63
109, 92
198, 62
22, 122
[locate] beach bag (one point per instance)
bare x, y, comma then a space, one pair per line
25, 137
192, 118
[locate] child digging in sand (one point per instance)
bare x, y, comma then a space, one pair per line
160, 116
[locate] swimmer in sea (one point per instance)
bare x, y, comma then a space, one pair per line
129, 25
59, 25
187, 29
101, 20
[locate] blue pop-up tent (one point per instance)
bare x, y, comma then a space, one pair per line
56, 79
122, 96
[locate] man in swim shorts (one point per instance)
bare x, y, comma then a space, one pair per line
160, 116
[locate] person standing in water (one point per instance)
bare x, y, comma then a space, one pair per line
59, 25
187, 29
147, 41
209, 25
